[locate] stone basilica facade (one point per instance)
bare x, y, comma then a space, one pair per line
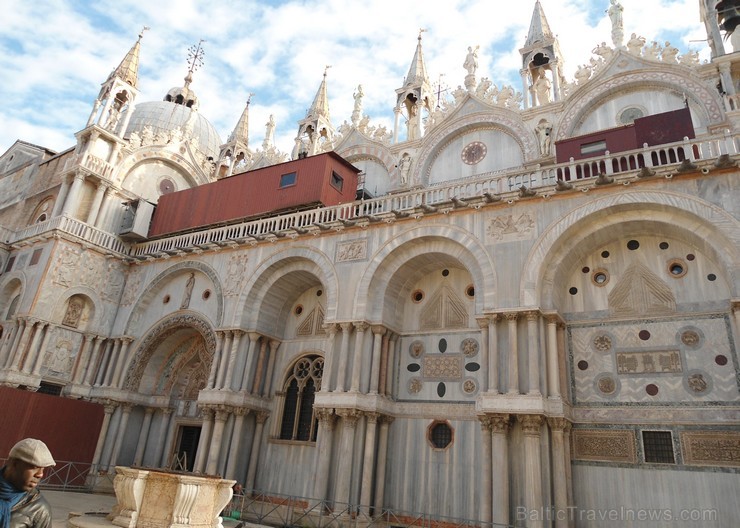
491, 332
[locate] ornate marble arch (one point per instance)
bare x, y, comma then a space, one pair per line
150, 289
158, 334
457, 243
714, 226
506, 121
590, 95
294, 259
188, 170
373, 152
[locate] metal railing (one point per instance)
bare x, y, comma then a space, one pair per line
305, 512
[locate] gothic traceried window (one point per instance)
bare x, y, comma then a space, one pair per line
299, 422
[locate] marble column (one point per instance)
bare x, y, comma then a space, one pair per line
385, 422
531, 427
92, 215
568, 467
224, 361
327, 420
378, 332
105, 207
143, 435
21, 338
164, 438
108, 408
97, 375
39, 327
248, 364
393, 346
72, 197
513, 372
499, 424
41, 352
349, 424
358, 353
235, 342
270, 371
88, 371
343, 354
328, 378
123, 362
553, 372
120, 433
259, 369
368, 461
112, 365
9, 333
61, 197
82, 357
493, 356
383, 376
736, 315
216, 361
216, 440
486, 488
261, 418
236, 442
559, 473
533, 356
201, 455
484, 356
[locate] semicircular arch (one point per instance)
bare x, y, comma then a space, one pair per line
706, 226
447, 244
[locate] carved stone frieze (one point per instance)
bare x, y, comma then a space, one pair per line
711, 448
607, 446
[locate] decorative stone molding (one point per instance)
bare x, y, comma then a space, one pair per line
606, 446
711, 448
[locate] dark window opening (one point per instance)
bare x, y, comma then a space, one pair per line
50, 388
287, 179
298, 421
440, 435
337, 181
658, 446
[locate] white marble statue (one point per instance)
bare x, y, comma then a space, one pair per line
544, 135
669, 53
635, 44
615, 15
357, 110
404, 165
269, 132
471, 60
542, 89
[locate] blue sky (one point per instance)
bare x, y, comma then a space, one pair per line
55, 53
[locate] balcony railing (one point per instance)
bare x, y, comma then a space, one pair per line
458, 193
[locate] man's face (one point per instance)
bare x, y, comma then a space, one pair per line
22, 475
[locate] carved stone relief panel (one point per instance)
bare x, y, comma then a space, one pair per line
607, 446
711, 448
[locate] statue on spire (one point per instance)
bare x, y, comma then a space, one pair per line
615, 15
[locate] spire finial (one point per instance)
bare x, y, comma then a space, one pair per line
195, 60
141, 33
326, 68
421, 30
249, 98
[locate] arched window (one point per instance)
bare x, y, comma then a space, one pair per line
299, 422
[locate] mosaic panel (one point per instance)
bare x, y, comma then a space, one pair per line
606, 446
711, 449
651, 361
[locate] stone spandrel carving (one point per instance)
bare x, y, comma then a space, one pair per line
711, 448
352, 250
510, 227
236, 275
445, 367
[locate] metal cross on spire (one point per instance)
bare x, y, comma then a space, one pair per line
195, 56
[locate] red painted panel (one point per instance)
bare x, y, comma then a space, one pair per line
69, 427
656, 129
256, 193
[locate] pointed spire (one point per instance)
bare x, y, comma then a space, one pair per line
241, 131
539, 29
417, 71
128, 70
320, 105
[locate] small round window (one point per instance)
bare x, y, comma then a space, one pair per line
600, 277
417, 296
677, 268
440, 435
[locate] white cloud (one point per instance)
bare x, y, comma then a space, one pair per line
278, 51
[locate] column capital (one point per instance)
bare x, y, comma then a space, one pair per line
511, 316
386, 419
379, 329
261, 416
330, 328
238, 332
206, 412
531, 424
557, 423
274, 344
254, 336
346, 327
167, 411
349, 416
499, 423
372, 417
532, 315
361, 326
240, 411
735, 303
553, 318
325, 416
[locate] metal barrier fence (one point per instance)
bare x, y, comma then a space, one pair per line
305, 512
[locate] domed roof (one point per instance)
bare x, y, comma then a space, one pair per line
165, 116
